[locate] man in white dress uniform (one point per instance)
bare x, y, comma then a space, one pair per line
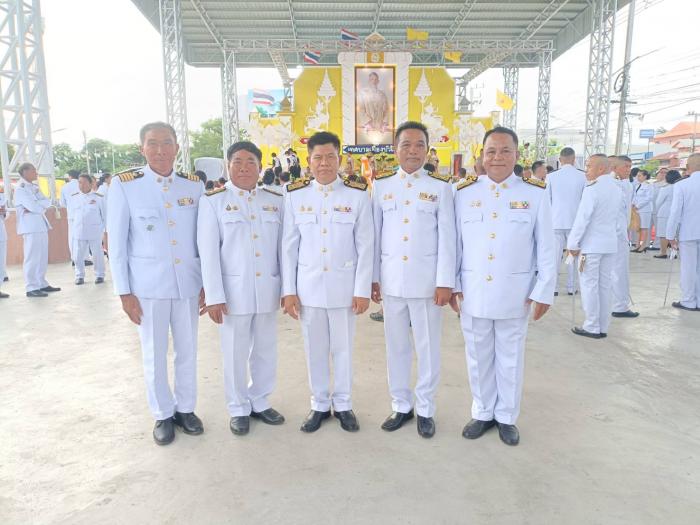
89, 216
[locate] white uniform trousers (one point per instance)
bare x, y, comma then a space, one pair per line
621, 276
596, 291
560, 239
36, 260
329, 332
71, 240
159, 317
422, 317
689, 252
81, 252
495, 350
3, 260
249, 342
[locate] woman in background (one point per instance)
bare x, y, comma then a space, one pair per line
642, 204
664, 198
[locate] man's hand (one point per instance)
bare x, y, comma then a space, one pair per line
202, 303
217, 312
132, 307
538, 310
442, 295
376, 293
674, 244
291, 306
360, 305
456, 301
575, 253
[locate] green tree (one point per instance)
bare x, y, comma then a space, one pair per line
208, 141
66, 158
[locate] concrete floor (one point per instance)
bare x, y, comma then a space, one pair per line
609, 428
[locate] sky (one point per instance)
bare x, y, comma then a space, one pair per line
105, 73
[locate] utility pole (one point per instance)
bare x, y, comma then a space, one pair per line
625, 80
694, 114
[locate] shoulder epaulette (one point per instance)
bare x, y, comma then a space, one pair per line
301, 183
535, 182
130, 174
99, 194
355, 184
443, 178
591, 183
385, 175
268, 190
74, 194
468, 181
188, 176
215, 191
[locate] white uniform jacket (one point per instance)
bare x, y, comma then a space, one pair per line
239, 236
595, 228
327, 243
565, 187
89, 216
31, 206
505, 246
414, 234
684, 218
152, 227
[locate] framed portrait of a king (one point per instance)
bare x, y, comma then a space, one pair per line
374, 104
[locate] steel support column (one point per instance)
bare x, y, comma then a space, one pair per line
25, 128
174, 74
510, 88
229, 97
543, 89
599, 77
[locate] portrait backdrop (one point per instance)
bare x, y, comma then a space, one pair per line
374, 104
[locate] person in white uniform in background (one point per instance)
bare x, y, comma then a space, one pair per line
664, 199
89, 219
152, 226
327, 249
642, 202
69, 189
33, 226
565, 187
621, 300
594, 242
3, 241
656, 185
238, 234
414, 262
506, 268
683, 231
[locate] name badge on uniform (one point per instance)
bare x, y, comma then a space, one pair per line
231, 208
306, 209
185, 201
476, 204
388, 196
427, 197
342, 209
519, 205
269, 208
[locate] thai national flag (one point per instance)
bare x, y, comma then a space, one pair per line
347, 35
312, 57
262, 98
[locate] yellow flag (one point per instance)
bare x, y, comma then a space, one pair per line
453, 56
412, 34
503, 101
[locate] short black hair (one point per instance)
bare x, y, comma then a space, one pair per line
429, 167
274, 154
85, 176
284, 176
209, 185
567, 152
268, 177
624, 158
537, 164
156, 125
503, 130
518, 170
24, 167
462, 171
673, 176
550, 169
73, 174
412, 124
202, 176
244, 145
323, 137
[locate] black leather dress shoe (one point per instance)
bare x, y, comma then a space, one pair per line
426, 427
269, 416
628, 313
239, 425
556, 294
189, 423
99, 280
572, 293
50, 289
676, 304
6, 279
88, 263
477, 428
313, 421
4, 295
164, 431
80, 281
348, 421
584, 333
603, 335
509, 434
37, 293
396, 420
